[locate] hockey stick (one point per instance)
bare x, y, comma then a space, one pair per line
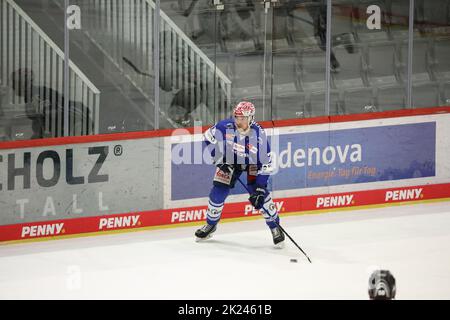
273, 220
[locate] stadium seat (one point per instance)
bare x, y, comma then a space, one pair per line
312, 70
224, 62
285, 74
353, 70
280, 35
382, 63
203, 27
247, 77
441, 63
301, 24
239, 29
421, 61
317, 104
291, 106
445, 94
425, 95
390, 98
358, 101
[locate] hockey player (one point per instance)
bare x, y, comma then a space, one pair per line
240, 144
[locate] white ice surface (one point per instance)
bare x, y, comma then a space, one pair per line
411, 241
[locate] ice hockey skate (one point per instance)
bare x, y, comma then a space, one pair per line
278, 237
205, 232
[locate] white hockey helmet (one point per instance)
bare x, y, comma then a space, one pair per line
245, 109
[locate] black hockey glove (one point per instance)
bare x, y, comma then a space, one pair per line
257, 198
225, 167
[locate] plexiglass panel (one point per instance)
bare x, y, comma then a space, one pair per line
299, 59
431, 62
31, 70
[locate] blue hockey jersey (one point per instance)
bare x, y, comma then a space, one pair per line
228, 145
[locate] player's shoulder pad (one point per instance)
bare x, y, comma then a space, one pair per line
225, 124
211, 136
256, 126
